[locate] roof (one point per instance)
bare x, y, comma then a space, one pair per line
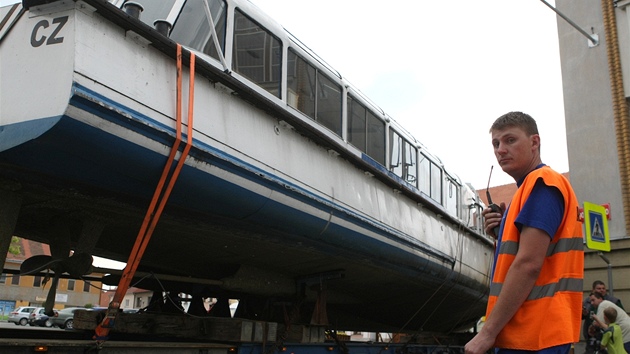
504, 193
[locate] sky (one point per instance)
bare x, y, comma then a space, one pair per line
445, 70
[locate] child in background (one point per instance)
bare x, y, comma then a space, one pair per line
612, 339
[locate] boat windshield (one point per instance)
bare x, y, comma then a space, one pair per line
192, 27
191, 22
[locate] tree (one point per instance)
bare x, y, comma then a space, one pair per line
14, 247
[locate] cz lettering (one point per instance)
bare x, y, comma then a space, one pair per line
38, 39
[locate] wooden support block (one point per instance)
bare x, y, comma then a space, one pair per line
182, 326
304, 333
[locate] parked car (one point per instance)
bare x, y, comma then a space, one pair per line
65, 317
39, 318
20, 315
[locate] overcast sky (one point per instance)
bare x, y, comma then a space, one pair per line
445, 70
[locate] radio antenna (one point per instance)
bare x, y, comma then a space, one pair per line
488, 188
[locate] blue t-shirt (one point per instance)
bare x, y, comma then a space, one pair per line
548, 217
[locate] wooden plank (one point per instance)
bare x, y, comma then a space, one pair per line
304, 333
182, 326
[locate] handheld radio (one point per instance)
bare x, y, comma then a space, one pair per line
493, 206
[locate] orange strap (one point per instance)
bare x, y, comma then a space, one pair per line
160, 196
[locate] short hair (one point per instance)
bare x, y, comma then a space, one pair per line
598, 282
516, 119
611, 314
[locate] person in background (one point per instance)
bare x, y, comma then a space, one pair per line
592, 341
612, 340
621, 318
536, 291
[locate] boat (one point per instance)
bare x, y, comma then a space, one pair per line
256, 170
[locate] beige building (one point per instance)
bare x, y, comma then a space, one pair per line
29, 290
596, 86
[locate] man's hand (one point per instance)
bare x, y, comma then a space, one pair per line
492, 219
480, 344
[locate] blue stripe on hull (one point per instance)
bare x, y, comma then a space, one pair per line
79, 154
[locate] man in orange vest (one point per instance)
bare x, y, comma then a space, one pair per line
535, 301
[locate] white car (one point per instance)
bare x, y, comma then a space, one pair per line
20, 315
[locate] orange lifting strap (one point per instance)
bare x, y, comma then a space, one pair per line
160, 197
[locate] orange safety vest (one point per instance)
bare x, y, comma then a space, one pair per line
551, 314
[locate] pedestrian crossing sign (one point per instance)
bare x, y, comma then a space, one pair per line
596, 224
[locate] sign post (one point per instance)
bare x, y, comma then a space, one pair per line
597, 234
596, 224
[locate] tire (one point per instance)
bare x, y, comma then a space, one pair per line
23, 321
48, 324
69, 324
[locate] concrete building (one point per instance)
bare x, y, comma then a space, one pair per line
29, 290
596, 86
134, 298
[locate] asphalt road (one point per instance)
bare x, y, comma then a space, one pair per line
11, 325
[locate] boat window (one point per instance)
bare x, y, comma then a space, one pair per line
403, 158
450, 199
313, 93
411, 168
257, 54
424, 178
192, 27
366, 131
436, 183
357, 124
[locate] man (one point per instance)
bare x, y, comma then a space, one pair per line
535, 301
591, 341
623, 320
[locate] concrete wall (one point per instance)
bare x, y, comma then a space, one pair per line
597, 269
591, 137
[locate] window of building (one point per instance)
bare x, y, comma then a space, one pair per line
71, 284
3, 278
192, 28
257, 54
313, 93
15, 279
37, 281
366, 131
86, 286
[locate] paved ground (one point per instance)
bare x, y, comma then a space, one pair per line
578, 348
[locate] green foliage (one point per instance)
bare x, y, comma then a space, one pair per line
14, 247
88, 306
